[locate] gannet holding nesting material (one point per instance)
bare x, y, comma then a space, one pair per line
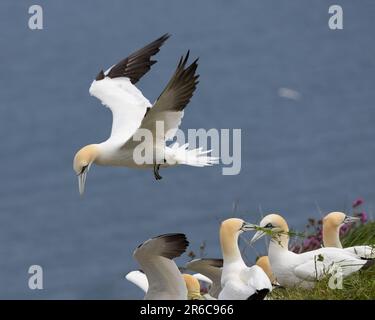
134, 115
302, 270
238, 281
332, 223
155, 255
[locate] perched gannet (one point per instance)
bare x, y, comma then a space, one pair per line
332, 223
264, 263
291, 269
135, 118
138, 278
211, 268
238, 281
155, 255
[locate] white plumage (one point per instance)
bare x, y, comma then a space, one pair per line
238, 281
303, 270
139, 126
164, 279
332, 223
139, 279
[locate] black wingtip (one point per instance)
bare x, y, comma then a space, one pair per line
213, 262
100, 76
186, 58
369, 263
259, 294
139, 62
175, 244
165, 36
162, 39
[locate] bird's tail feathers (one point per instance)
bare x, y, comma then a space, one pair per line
195, 157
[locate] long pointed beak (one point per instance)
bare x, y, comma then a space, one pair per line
259, 234
349, 219
248, 227
81, 182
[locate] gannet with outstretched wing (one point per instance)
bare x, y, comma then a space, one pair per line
211, 268
302, 270
135, 119
164, 279
138, 278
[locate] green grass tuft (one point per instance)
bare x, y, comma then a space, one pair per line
359, 286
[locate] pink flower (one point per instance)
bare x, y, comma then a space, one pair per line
307, 242
344, 229
357, 203
363, 216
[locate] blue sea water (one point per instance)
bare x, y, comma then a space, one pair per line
301, 158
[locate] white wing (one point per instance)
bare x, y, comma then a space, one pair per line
236, 290
319, 263
168, 108
139, 279
164, 277
366, 252
210, 268
257, 278
252, 284
202, 278
126, 102
115, 89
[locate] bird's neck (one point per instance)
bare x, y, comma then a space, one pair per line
280, 241
331, 236
229, 245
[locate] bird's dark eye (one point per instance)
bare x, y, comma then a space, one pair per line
83, 169
269, 225
100, 76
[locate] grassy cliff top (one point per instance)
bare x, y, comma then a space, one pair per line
359, 286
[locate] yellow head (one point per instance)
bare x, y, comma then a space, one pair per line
193, 287
230, 229
334, 219
278, 229
232, 225
331, 228
82, 162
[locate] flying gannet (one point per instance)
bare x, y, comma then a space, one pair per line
164, 279
302, 270
211, 268
332, 223
238, 281
134, 115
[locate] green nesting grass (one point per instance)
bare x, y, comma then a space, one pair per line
359, 286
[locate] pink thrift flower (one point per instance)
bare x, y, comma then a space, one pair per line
344, 229
357, 203
363, 216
